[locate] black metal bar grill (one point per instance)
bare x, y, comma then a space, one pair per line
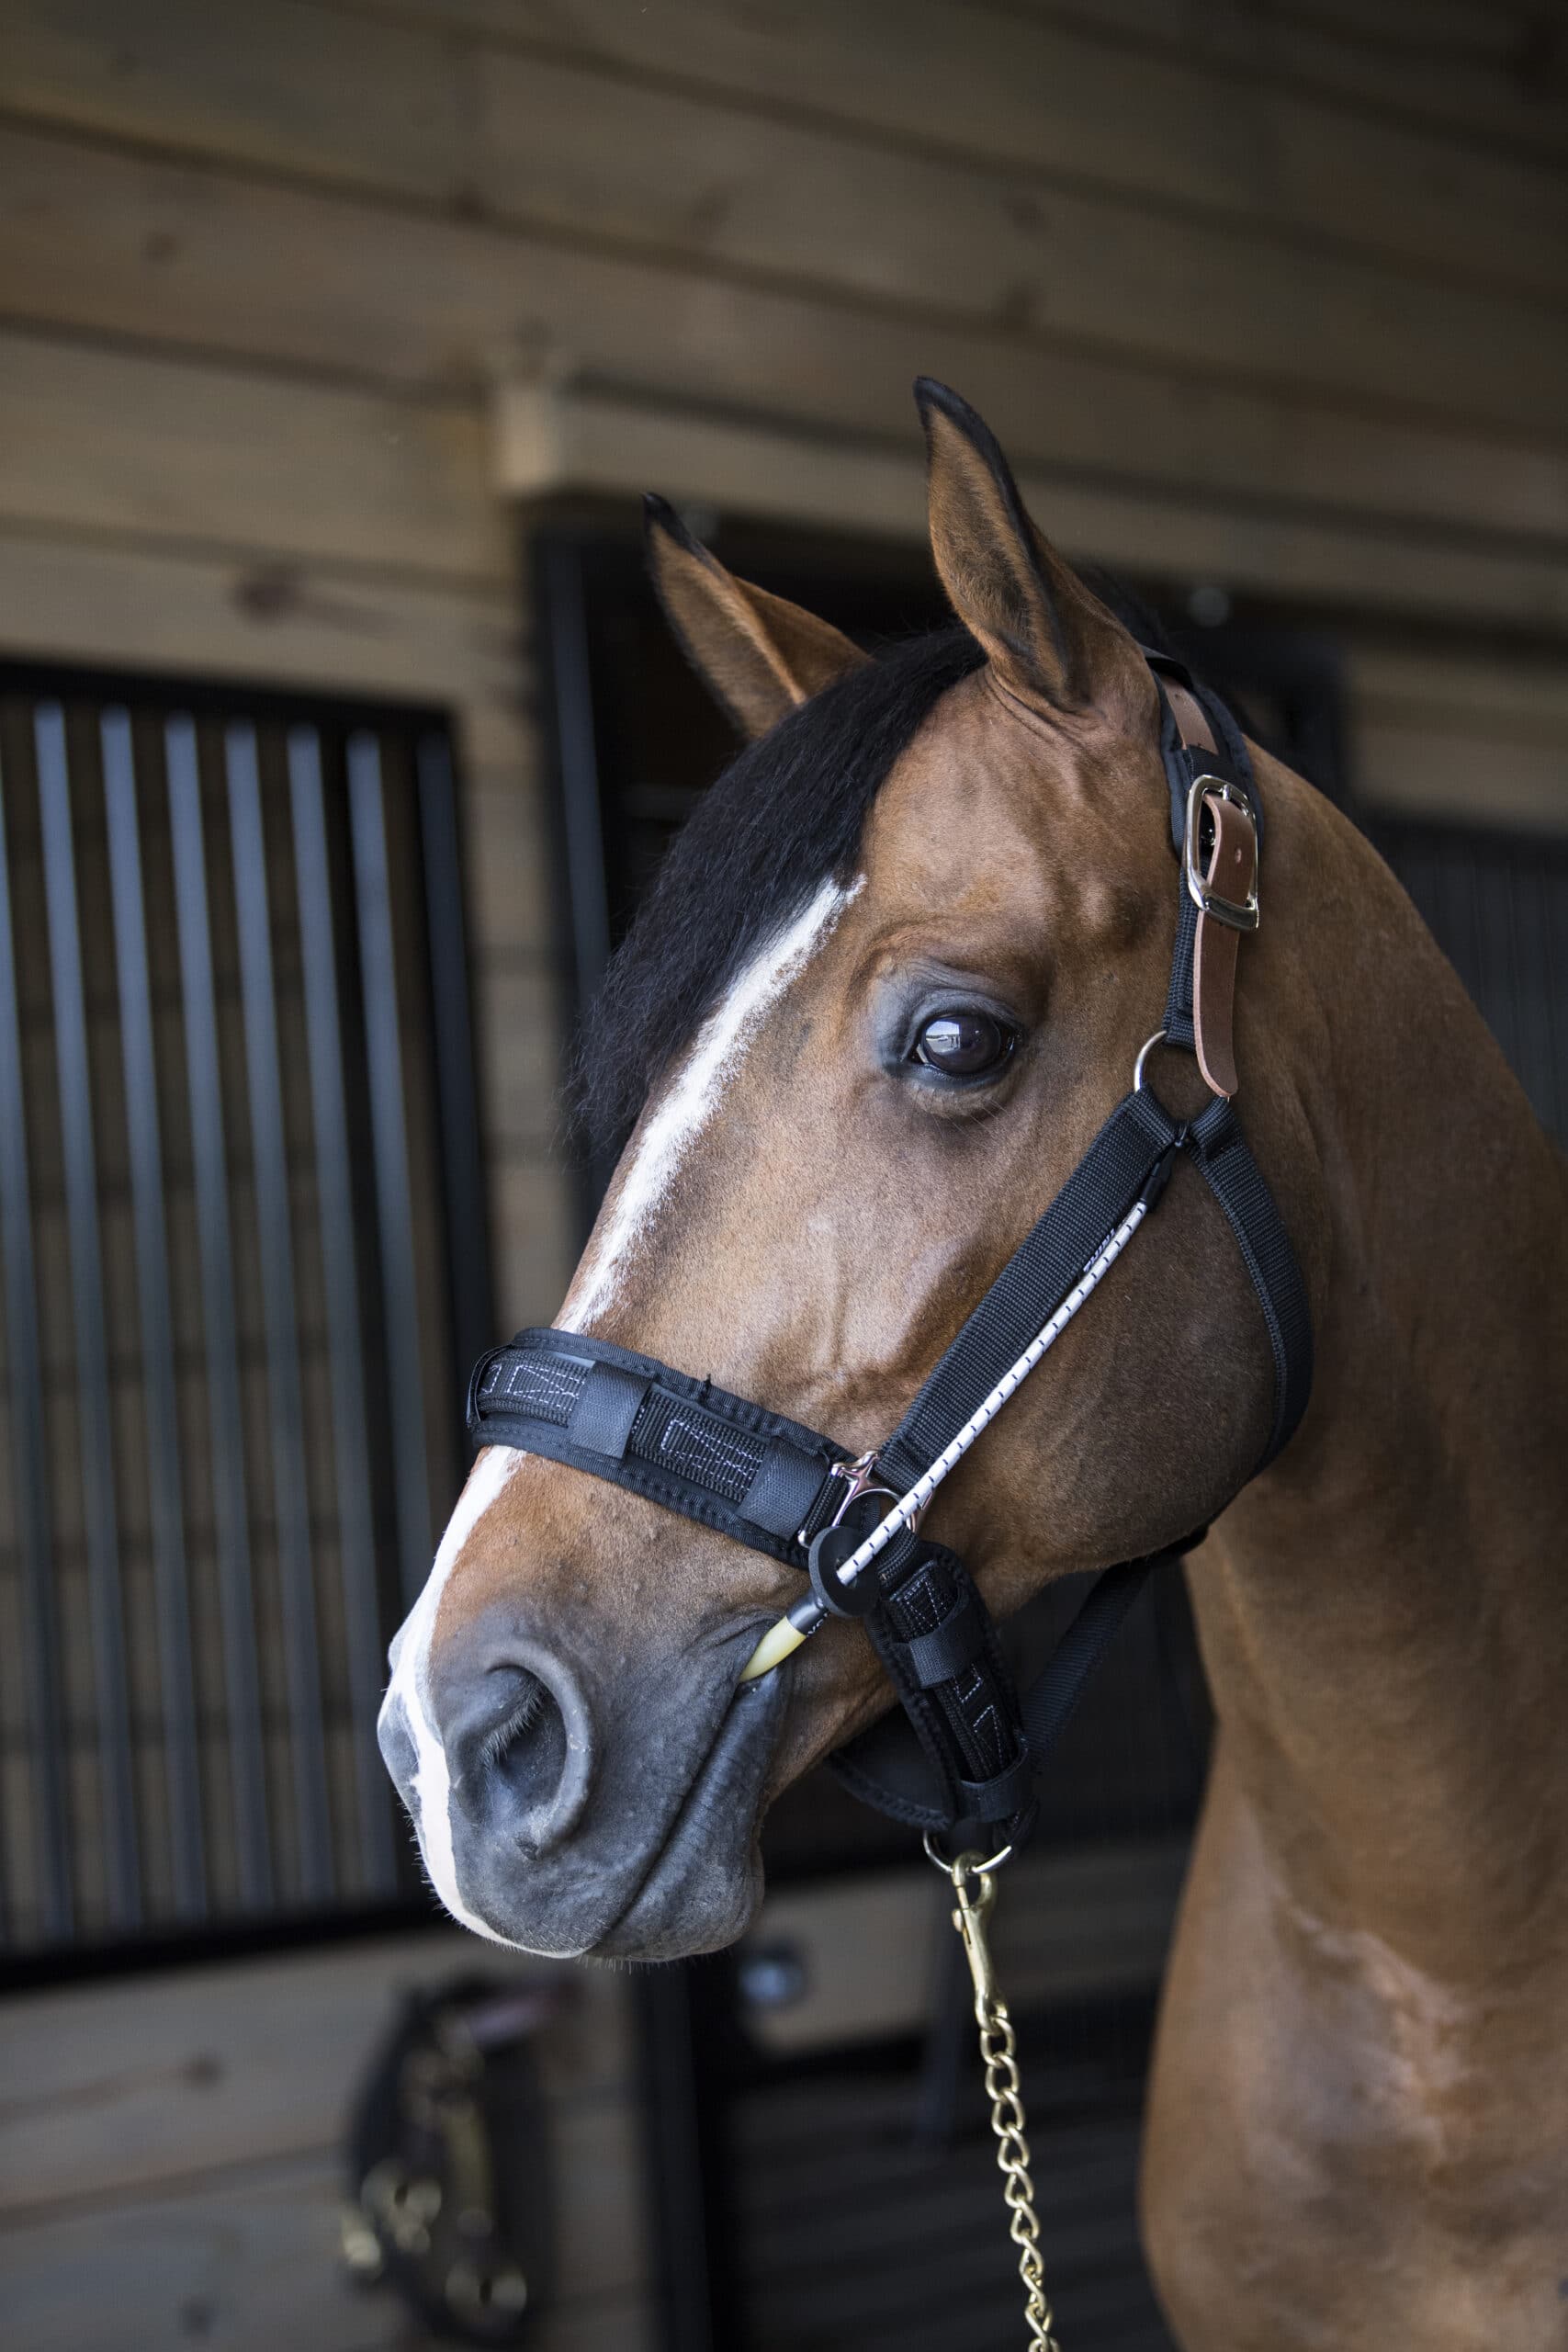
165, 1484
240, 1265
209, 1164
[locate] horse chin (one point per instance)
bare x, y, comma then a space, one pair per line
702, 1888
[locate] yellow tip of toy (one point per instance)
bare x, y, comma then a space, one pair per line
780, 1641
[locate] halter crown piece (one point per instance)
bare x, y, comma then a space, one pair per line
852, 1525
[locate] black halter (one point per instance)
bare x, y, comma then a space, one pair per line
790, 1492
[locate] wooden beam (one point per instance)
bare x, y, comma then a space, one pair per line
165, 253
1484, 741
106, 600
548, 442
167, 449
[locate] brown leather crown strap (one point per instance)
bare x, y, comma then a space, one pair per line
1233, 875
1228, 906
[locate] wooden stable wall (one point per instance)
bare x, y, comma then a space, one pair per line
172, 2168
1276, 295
1272, 297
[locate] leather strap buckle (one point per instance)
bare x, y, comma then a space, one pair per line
1237, 914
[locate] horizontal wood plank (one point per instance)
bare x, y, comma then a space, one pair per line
1219, 299
549, 442
559, 147
1414, 762
110, 2089
168, 449
187, 254
96, 598
1455, 66
1471, 739
1053, 98
250, 2264
1530, 696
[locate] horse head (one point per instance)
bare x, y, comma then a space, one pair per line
889, 983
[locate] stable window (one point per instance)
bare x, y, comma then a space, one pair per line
241, 1245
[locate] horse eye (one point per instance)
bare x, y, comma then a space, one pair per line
964, 1043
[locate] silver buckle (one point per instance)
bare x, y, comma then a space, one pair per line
1241, 914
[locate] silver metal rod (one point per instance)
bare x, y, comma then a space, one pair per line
29, 1452
95, 1416
345, 1336
165, 1490
274, 1234
394, 1200
215, 1248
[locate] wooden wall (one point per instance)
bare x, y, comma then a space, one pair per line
1277, 294
171, 2157
1274, 296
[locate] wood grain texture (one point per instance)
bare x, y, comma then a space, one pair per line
97, 597
1051, 96
691, 180
548, 442
618, 163
200, 257
1496, 75
110, 2090
165, 450
248, 2262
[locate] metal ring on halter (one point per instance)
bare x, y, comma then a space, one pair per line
1145, 1050
974, 1870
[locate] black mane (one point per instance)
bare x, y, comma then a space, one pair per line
787, 813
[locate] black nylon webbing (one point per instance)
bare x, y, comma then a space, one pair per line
1033, 1283
676, 1440
1236, 1183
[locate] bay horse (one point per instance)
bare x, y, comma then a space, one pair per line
888, 986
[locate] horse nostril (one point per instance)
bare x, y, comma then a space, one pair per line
521, 1751
524, 1752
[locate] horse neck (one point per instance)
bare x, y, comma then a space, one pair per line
1382, 1614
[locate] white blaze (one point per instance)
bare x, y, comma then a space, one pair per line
680, 1117
689, 1101
410, 1684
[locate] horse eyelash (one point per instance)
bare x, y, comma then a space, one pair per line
522, 1717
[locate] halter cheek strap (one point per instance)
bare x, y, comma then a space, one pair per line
788, 1491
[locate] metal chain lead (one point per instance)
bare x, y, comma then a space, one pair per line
974, 1886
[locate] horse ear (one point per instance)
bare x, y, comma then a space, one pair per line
1048, 638
759, 655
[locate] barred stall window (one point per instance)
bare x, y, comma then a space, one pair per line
242, 1261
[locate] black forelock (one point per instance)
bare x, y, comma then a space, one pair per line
785, 815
